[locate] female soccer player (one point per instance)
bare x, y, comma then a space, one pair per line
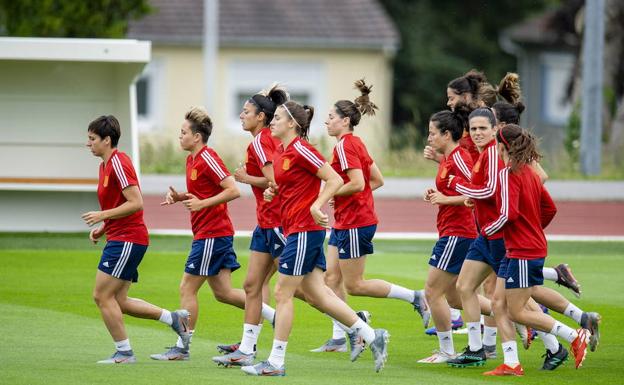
355, 219
126, 242
455, 227
267, 240
299, 170
212, 259
521, 187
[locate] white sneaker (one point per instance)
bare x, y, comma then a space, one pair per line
437, 358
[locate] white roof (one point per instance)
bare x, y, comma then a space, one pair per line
86, 50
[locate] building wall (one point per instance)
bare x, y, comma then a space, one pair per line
177, 84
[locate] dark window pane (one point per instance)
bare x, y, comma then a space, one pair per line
142, 94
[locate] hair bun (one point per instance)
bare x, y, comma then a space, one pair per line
363, 103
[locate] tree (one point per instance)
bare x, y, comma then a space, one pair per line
69, 18
443, 39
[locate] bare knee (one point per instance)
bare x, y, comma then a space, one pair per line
465, 288
354, 288
333, 279
252, 287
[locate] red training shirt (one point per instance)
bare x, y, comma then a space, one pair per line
260, 152
482, 185
356, 210
525, 209
204, 174
295, 169
454, 220
116, 175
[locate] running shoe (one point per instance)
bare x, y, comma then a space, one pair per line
579, 347
237, 358
456, 324
225, 349
331, 345
490, 351
379, 348
553, 360
504, 370
421, 306
437, 357
566, 279
468, 358
264, 368
120, 358
173, 353
591, 322
357, 345
180, 325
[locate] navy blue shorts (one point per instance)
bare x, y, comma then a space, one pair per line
523, 273
449, 253
270, 241
121, 260
353, 243
208, 256
302, 253
488, 251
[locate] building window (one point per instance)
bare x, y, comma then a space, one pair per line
556, 70
305, 82
149, 95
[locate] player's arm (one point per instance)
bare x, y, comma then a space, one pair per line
376, 178
539, 170
133, 203
354, 185
258, 181
230, 192
333, 182
437, 198
547, 208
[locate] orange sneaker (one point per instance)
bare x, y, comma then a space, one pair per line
579, 346
505, 370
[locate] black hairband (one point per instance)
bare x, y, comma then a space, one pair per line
265, 104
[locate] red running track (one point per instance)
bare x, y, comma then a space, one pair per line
410, 215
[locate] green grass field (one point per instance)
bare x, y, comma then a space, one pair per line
52, 332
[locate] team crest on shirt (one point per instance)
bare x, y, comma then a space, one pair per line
105, 184
194, 174
443, 173
285, 164
476, 167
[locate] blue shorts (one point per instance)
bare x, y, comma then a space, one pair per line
121, 260
523, 273
208, 256
270, 241
353, 243
449, 253
488, 251
302, 253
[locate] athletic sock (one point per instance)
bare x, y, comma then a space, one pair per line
563, 331
445, 339
550, 274
250, 338
573, 312
399, 292
363, 329
338, 332
165, 317
455, 314
278, 353
268, 313
489, 335
474, 336
510, 353
550, 341
123, 345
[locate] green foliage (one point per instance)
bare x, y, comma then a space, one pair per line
443, 39
70, 18
572, 142
161, 158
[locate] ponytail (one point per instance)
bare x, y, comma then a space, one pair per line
454, 122
362, 105
520, 144
267, 101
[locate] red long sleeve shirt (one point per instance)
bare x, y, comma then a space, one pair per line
526, 208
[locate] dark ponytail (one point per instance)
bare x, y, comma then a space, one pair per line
454, 122
267, 101
468, 83
362, 105
302, 115
520, 144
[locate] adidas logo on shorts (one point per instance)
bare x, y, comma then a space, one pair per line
342, 251
191, 266
276, 246
433, 257
284, 265
510, 280
106, 264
